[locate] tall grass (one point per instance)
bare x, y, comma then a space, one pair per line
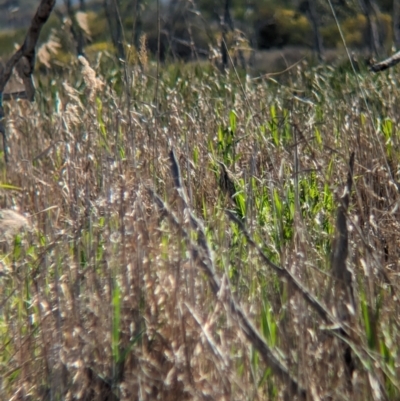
103, 299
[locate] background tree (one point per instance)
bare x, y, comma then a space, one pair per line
137, 23
309, 9
112, 11
396, 23
75, 29
371, 11
227, 26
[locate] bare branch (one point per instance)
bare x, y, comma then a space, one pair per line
24, 58
24, 62
201, 254
385, 64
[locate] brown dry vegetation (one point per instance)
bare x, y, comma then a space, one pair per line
108, 296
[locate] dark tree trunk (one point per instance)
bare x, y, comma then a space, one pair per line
24, 61
138, 23
224, 52
111, 8
81, 38
226, 25
76, 30
313, 17
228, 22
396, 23
309, 9
371, 12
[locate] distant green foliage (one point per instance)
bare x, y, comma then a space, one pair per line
10, 39
98, 27
187, 35
97, 48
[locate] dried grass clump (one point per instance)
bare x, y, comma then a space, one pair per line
11, 223
143, 57
93, 83
136, 283
48, 50
83, 22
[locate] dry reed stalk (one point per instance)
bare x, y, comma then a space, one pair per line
226, 181
47, 50
343, 288
345, 302
341, 243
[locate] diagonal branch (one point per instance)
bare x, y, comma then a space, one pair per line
24, 62
201, 254
24, 58
385, 64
